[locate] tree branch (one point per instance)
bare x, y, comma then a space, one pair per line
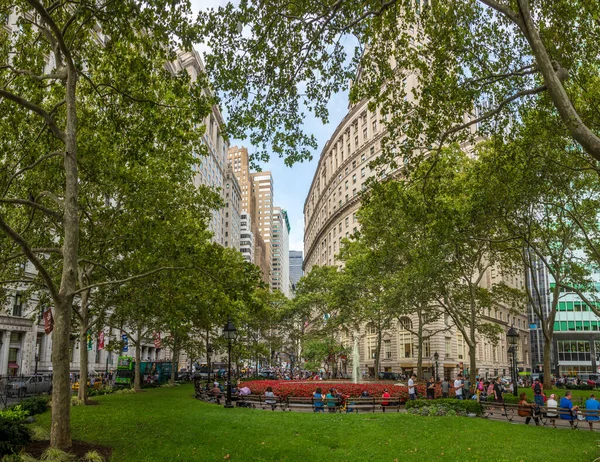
36, 109
32, 166
34, 205
505, 10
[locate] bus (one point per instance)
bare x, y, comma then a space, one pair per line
150, 371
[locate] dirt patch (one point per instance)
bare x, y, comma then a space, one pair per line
79, 448
90, 402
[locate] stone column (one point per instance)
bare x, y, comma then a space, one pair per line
5, 337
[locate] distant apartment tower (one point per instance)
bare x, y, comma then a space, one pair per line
262, 188
211, 169
233, 198
280, 278
296, 262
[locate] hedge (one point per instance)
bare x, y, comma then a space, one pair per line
468, 406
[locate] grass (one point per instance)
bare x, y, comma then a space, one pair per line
168, 424
560, 392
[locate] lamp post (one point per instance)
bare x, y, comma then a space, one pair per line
230, 334
513, 338
436, 356
209, 352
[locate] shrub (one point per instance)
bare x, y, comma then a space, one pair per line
14, 414
75, 401
93, 456
57, 455
39, 433
14, 435
459, 406
35, 405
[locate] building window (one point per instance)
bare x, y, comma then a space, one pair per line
405, 344
18, 305
448, 347
460, 342
387, 349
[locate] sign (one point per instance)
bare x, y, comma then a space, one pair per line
156, 336
48, 321
125, 342
533, 326
101, 340
89, 340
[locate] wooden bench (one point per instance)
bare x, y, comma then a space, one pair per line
360, 403
302, 403
391, 403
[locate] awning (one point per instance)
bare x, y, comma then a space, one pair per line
13, 366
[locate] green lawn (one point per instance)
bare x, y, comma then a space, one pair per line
560, 392
168, 424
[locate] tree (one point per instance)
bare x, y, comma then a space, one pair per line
544, 192
76, 121
435, 69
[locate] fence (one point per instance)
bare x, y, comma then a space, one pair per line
13, 389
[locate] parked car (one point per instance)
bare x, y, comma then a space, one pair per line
388, 376
30, 385
267, 374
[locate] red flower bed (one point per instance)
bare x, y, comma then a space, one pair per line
285, 388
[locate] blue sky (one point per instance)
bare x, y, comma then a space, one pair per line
291, 184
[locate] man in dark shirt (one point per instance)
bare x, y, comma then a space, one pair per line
498, 390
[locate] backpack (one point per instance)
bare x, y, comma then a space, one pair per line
537, 389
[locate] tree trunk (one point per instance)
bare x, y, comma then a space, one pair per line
377, 353
419, 346
174, 363
547, 364
83, 351
83, 361
60, 431
137, 382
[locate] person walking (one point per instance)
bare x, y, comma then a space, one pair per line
411, 387
498, 391
458, 387
592, 407
538, 392
527, 410
479, 388
445, 388
431, 388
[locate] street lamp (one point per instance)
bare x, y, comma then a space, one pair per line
229, 334
513, 338
209, 352
436, 356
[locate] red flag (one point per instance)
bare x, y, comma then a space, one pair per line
156, 336
101, 340
48, 321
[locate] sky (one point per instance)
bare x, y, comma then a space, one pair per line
291, 184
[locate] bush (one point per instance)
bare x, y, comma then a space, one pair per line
14, 435
458, 406
57, 455
35, 405
101, 391
14, 414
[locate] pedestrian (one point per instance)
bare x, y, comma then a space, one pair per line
331, 400
270, 398
498, 390
567, 410
538, 392
318, 400
445, 388
552, 408
479, 388
431, 388
592, 407
458, 387
385, 397
527, 410
411, 387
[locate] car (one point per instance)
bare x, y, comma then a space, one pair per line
267, 374
388, 376
30, 385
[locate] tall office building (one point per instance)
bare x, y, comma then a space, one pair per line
254, 211
280, 279
296, 263
233, 198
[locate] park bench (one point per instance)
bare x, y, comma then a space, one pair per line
301, 403
511, 413
391, 403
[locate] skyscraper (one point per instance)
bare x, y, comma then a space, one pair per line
280, 278
296, 262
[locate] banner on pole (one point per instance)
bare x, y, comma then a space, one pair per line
125, 342
156, 339
89, 341
48, 321
101, 340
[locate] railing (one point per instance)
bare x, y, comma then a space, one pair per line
13, 389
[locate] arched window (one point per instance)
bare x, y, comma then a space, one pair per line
404, 323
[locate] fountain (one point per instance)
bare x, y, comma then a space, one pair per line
355, 361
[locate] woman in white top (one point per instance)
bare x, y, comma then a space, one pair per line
552, 409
